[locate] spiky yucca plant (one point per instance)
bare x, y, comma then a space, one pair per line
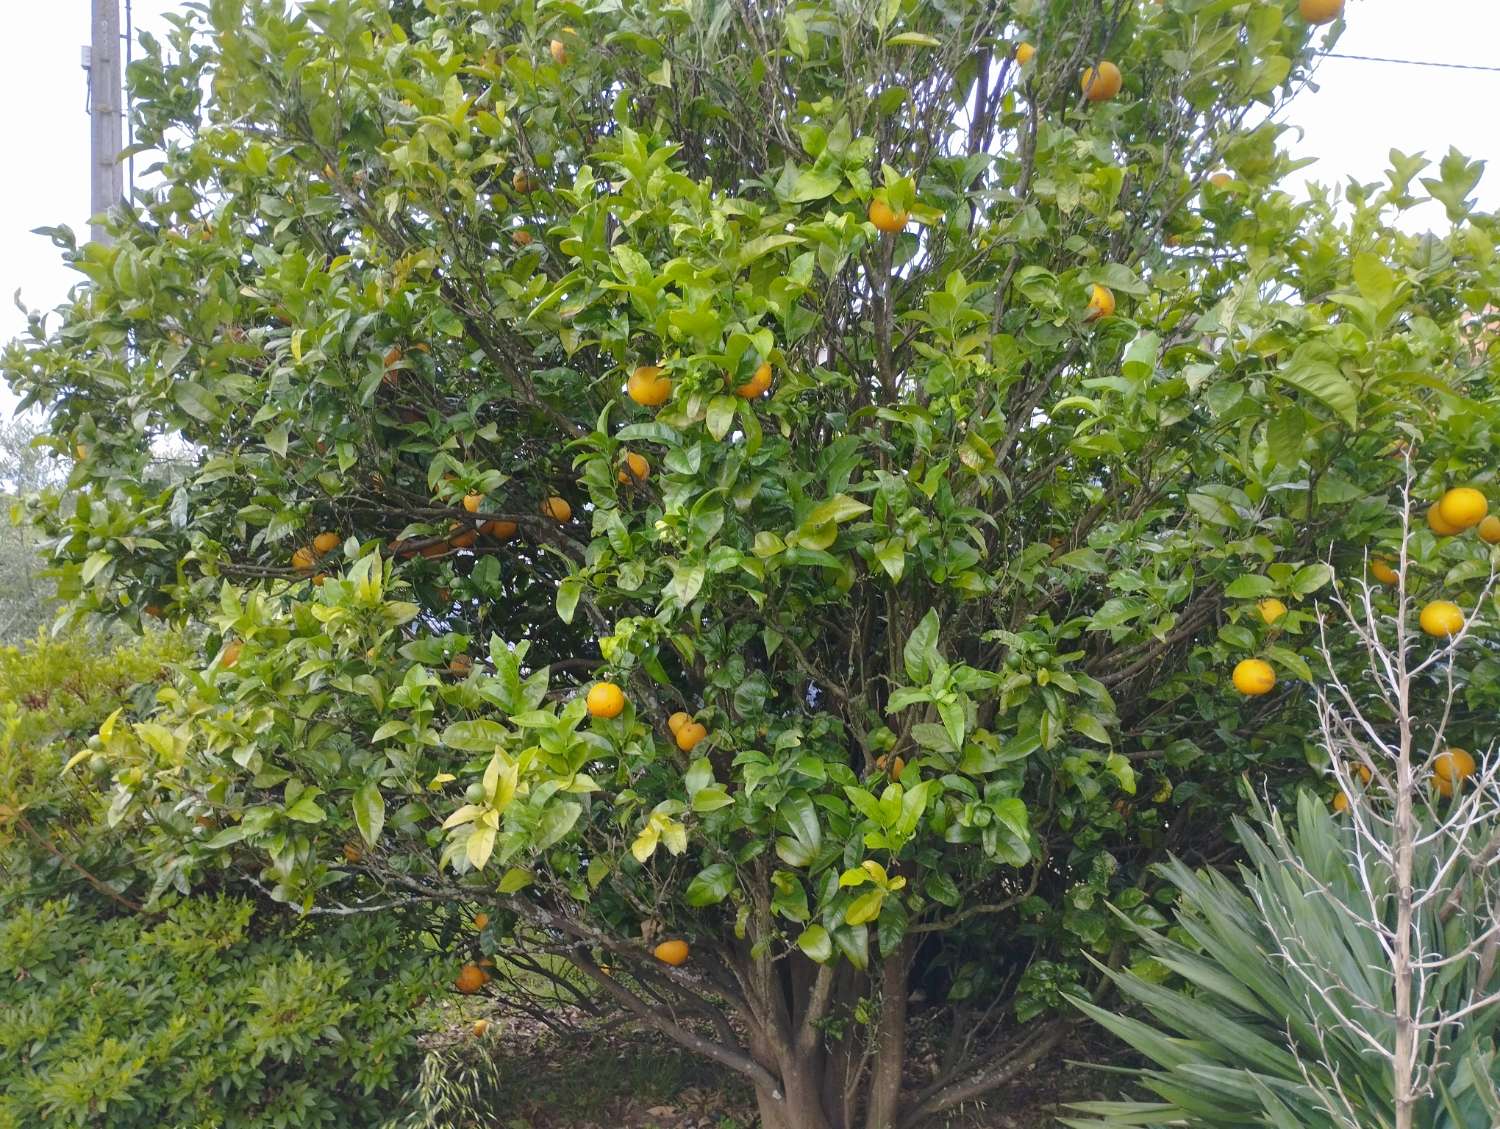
1249, 1040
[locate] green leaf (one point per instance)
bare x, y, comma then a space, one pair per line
921, 648
1310, 578
1312, 369
816, 943
720, 415
515, 880
1251, 586
568, 593
839, 508
480, 845
369, 811
891, 553
813, 184
711, 885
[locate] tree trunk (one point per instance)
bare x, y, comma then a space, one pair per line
799, 1102
890, 1040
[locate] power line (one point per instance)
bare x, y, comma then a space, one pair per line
1410, 62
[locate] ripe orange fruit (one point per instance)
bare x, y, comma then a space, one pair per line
1253, 677
898, 766
1102, 84
524, 183
352, 853
636, 468
1442, 618
481, 919
472, 502
557, 509
521, 237
1341, 802
320, 580
677, 721
1221, 180
1363, 772
648, 386
1438, 523
606, 700
303, 559
559, 51
1320, 11
689, 735
1451, 768
499, 529
325, 543
757, 383
887, 219
671, 952
480, 1027
1489, 530
1382, 571
1101, 303
464, 540
231, 655
471, 978
1025, 52
1271, 609
460, 665
1463, 506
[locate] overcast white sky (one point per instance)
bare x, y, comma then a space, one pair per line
1359, 113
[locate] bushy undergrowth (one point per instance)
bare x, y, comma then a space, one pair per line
218, 1010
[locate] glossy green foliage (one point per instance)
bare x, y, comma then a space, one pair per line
971, 536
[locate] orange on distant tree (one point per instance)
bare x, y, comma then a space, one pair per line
499, 529
1221, 180
689, 734
557, 509
1382, 571
649, 386
1438, 523
606, 700
521, 237
1101, 303
677, 721
1320, 11
303, 559
1451, 768
1489, 530
887, 219
481, 919
524, 183
1025, 52
671, 952
325, 542
471, 978
757, 384
559, 51
1463, 506
1442, 618
1253, 677
1271, 609
465, 539
1341, 802
231, 655
1102, 83
636, 468
472, 502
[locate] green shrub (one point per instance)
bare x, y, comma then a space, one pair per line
216, 1015
217, 1010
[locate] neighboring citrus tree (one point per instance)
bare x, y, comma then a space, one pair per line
913, 411
1354, 983
25, 595
212, 1010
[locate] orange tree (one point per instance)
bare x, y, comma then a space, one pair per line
918, 418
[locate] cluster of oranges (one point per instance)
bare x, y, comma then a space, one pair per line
305, 559
650, 386
1450, 769
606, 700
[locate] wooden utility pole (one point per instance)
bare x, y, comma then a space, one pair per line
106, 93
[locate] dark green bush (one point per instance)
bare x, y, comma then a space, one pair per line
217, 1010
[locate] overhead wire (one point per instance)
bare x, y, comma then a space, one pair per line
1409, 62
